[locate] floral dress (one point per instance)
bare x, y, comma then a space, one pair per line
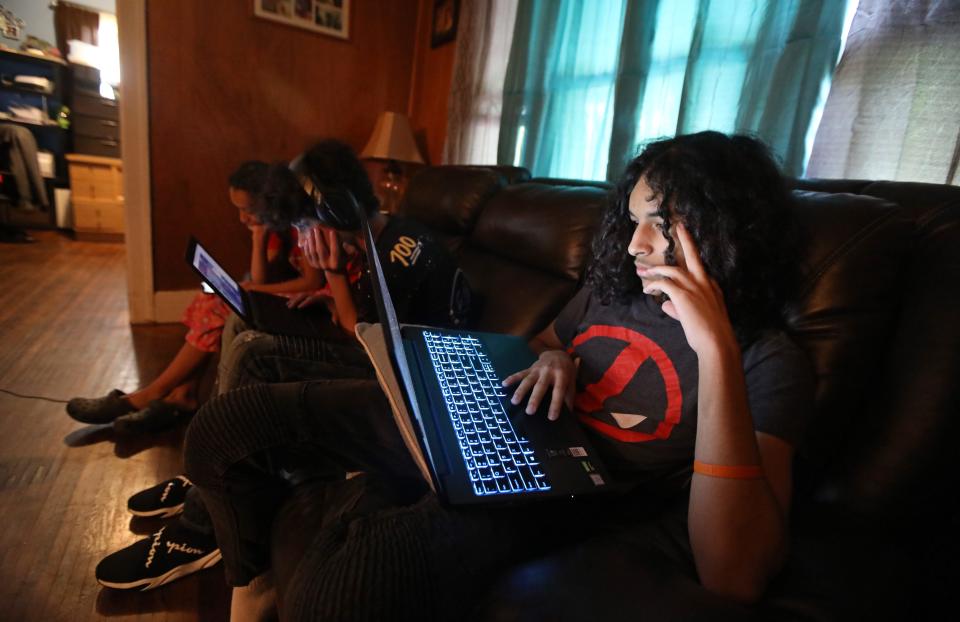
206, 315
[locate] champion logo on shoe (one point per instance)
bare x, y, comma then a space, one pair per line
164, 500
183, 548
169, 486
171, 553
153, 546
166, 492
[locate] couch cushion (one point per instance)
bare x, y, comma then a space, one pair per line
513, 298
605, 579
835, 565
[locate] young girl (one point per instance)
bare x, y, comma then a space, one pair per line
276, 266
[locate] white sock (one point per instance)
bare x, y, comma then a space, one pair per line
255, 602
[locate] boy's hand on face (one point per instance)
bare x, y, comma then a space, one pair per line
321, 248
554, 369
695, 298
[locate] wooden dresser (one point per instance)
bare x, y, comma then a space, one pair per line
96, 192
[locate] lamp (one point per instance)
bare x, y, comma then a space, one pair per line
392, 140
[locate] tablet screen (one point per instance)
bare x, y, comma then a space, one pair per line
218, 278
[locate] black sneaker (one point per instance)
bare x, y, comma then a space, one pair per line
172, 553
164, 500
99, 409
157, 416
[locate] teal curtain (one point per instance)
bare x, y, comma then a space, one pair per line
589, 81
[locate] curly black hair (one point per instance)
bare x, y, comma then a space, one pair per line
283, 201
728, 192
249, 176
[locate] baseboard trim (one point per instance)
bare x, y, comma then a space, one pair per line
168, 305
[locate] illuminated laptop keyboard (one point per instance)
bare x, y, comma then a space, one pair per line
498, 460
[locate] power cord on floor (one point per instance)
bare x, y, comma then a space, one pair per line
33, 397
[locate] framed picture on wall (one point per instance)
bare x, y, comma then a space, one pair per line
443, 28
330, 17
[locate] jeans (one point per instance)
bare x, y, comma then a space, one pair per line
251, 357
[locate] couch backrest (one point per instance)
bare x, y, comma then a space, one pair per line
527, 252
523, 245
447, 199
878, 313
880, 317
858, 247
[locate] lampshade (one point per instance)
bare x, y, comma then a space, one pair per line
392, 139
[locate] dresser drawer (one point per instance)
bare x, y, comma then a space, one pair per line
82, 183
92, 216
111, 218
95, 127
95, 106
106, 147
86, 216
89, 181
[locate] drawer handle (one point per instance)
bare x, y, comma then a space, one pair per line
109, 123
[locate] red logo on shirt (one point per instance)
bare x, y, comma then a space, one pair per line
638, 349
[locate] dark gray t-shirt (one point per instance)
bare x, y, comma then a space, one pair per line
637, 387
424, 280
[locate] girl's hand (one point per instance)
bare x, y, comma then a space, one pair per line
695, 299
554, 369
258, 231
302, 300
322, 248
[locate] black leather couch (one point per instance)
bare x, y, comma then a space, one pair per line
876, 504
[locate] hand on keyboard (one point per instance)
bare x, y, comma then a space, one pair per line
556, 370
498, 460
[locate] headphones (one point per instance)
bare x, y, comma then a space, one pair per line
335, 206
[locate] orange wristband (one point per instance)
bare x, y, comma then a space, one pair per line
728, 472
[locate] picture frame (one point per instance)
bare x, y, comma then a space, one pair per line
329, 17
443, 22
11, 26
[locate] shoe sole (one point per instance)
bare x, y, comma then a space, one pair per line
211, 559
92, 421
162, 512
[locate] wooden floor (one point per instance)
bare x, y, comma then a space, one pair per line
64, 332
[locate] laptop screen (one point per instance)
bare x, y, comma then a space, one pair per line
392, 336
217, 277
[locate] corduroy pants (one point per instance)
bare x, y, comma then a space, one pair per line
240, 446
411, 557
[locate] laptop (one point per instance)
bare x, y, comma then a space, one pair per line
471, 443
263, 312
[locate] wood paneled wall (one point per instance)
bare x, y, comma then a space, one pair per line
433, 70
226, 87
